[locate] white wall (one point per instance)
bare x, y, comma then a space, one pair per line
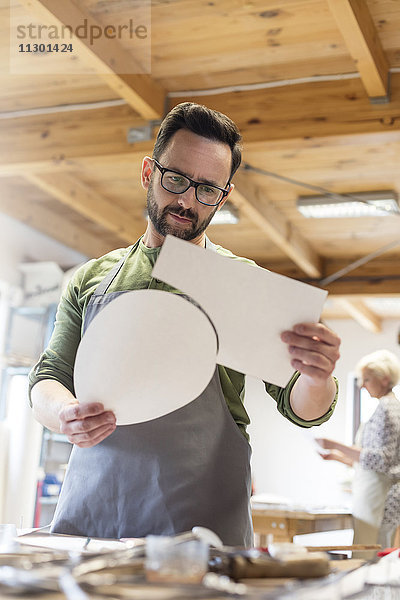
284, 461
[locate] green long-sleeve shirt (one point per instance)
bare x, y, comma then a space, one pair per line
57, 361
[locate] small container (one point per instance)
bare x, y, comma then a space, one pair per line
51, 485
8, 538
172, 562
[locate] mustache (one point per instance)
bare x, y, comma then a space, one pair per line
185, 213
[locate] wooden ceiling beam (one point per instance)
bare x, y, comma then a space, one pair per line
67, 188
361, 37
56, 227
250, 200
110, 61
362, 314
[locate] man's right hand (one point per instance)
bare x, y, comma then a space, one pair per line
86, 425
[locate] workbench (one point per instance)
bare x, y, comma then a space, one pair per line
124, 586
255, 588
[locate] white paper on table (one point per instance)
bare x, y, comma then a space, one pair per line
146, 354
248, 305
268, 498
70, 543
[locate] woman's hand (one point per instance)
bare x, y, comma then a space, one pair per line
326, 443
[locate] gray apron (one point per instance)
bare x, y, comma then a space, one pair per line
190, 467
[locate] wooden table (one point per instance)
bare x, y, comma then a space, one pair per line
284, 523
138, 592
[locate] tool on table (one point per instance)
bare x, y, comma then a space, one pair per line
349, 548
278, 560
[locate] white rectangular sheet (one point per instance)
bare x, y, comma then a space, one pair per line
249, 306
70, 543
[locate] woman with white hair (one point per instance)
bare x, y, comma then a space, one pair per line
375, 455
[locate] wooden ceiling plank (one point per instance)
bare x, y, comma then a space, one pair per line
57, 138
115, 67
306, 110
80, 197
384, 287
62, 164
358, 29
362, 314
294, 114
378, 278
389, 287
383, 266
53, 142
54, 226
250, 200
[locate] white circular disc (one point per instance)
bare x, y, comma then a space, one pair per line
147, 353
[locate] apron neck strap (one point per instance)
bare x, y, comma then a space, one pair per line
209, 245
109, 278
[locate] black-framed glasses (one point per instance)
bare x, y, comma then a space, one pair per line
177, 183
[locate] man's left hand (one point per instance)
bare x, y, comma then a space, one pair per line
314, 350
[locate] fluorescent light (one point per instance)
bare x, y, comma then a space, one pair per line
227, 215
370, 204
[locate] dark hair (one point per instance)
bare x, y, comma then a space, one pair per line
203, 121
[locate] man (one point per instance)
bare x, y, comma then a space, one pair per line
191, 467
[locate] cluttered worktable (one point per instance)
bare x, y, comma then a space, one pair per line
52, 567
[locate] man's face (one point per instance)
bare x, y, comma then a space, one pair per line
200, 159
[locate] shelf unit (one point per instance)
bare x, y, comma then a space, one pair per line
27, 332
53, 460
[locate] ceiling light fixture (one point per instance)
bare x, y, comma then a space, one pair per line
360, 204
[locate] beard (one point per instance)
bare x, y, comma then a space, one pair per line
163, 227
